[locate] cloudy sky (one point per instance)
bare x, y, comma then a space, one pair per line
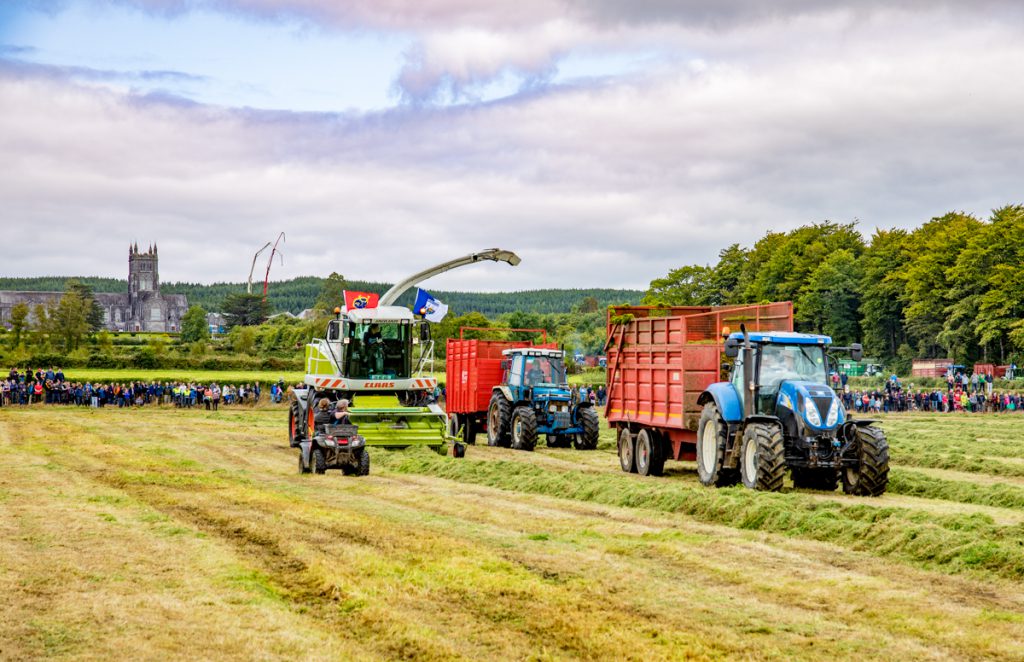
605, 141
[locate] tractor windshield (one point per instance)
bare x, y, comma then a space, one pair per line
378, 350
799, 362
543, 370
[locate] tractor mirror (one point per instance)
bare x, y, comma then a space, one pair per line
732, 347
856, 351
506, 364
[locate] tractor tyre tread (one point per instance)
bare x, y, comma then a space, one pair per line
873, 472
528, 436
587, 441
498, 435
771, 457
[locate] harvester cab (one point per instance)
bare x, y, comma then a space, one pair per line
534, 398
370, 354
777, 412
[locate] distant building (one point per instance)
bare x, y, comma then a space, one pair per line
143, 308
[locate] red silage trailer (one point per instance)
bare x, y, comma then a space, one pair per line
473, 369
659, 362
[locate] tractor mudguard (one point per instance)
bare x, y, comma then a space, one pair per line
763, 418
506, 391
724, 395
306, 448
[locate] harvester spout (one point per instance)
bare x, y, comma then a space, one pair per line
493, 254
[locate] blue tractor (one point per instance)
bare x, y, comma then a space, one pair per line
534, 398
777, 413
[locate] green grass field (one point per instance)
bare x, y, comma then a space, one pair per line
159, 533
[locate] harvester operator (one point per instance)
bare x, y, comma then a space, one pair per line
374, 343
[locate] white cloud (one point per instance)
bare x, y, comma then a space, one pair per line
890, 118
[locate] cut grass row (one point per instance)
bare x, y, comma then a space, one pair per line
951, 543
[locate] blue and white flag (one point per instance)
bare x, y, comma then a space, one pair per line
431, 309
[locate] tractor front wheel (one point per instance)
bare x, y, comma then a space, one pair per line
871, 475
587, 441
762, 458
524, 429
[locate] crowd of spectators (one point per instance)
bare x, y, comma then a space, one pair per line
51, 387
974, 393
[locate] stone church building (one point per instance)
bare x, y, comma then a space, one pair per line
143, 308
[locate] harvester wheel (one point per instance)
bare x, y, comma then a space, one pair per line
711, 438
364, 463
499, 415
458, 449
319, 461
591, 430
303, 469
871, 475
762, 457
524, 429
295, 425
627, 451
816, 479
649, 459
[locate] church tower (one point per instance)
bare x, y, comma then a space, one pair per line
143, 283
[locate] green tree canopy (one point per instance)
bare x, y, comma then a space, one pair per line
194, 326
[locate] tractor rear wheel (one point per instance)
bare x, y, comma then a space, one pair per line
627, 451
587, 441
711, 438
650, 461
295, 425
364, 463
499, 415
319, 461
815, 479
524, 429
762, 458
871, 475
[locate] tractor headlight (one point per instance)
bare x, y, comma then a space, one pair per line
811, 412
833, 413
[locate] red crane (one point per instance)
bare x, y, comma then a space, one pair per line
266, 279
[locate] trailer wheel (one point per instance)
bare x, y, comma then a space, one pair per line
364, 463
469, 431
524, 429
762, 458
319, 461
711, 439
815, 479
587, 441
871, 475
453, 425
627, 451
499, 414
649, 459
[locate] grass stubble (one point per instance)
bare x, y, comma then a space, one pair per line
143, 534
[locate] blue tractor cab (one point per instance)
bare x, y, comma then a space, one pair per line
534, 398
777, 412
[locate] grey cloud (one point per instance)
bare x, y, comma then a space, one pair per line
609, 185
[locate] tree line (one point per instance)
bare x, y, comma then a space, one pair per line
297, 294
953, 287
